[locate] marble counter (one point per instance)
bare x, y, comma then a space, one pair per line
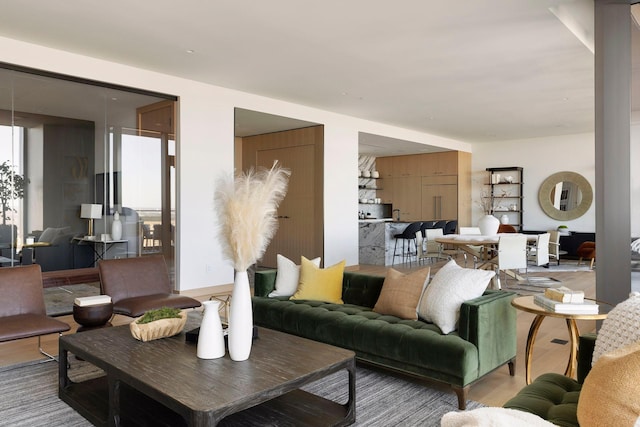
376, 240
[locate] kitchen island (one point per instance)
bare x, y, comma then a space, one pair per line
376, 240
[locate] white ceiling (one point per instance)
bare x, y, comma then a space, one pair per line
476, 71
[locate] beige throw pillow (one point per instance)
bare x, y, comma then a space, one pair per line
401, 292
609, 395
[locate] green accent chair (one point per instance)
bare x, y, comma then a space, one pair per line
554, 397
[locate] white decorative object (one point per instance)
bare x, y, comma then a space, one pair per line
488, 225
247, 206
116, 227
375, 174
210, 337
504, 219
240, 318
366, 174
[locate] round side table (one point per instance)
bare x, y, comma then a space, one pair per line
526, 303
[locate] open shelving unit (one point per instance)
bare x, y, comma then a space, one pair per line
505, 192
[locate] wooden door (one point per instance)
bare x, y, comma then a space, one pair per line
297, 212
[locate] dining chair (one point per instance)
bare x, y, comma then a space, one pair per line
506, 228
478, 248
512, 255
554, 246
427, 247
539, 252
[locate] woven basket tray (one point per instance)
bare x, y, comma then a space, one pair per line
158, 329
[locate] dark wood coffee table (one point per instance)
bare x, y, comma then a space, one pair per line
162, 382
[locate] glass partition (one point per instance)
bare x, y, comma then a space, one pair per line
74, 153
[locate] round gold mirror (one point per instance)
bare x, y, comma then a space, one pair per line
565, 196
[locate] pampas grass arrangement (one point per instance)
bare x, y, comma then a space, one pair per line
247, 206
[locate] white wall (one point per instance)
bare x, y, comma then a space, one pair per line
205, 149
540, 157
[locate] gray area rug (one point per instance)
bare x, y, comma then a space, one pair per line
59, 300
30, 397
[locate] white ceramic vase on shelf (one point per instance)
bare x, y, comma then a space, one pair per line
116, 227
504, 219
240, 334
210, 337
488, 225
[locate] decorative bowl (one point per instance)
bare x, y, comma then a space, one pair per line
158, 329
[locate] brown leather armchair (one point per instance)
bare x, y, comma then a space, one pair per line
139, 284
22, 310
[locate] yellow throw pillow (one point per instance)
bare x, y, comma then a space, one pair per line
320, 284
609, 395
400, 293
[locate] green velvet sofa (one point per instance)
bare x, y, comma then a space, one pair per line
554, 397
484, 341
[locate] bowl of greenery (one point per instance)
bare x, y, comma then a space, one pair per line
159, 323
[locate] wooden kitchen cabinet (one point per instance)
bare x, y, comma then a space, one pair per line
445, 194
439, 197
406, 197
406, 165
442, 163
384, 166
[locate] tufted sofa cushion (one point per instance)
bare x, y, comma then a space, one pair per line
371, 335
554, 397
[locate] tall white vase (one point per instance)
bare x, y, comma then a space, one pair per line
240, 318
488, 225
210, 337
116, 227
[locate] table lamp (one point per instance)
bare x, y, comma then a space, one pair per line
90, 211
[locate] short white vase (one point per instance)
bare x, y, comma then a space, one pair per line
210, 337
240, 334
488, 225
116, 227
504, 219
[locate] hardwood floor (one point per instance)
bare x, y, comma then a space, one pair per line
493, 390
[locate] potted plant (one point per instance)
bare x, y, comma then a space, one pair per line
12, 187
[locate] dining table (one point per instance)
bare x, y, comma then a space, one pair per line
481, 248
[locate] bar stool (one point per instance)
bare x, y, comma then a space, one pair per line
407, 236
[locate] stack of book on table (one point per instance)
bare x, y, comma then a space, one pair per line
565, 300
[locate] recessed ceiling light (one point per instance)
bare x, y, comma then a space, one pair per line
191, 51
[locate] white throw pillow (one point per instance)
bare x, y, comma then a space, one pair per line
620, 328
451, 286
288, 276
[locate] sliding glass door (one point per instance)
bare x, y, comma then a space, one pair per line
74, 153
